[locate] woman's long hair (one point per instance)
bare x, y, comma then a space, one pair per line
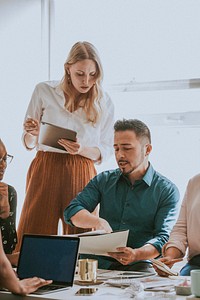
91, 103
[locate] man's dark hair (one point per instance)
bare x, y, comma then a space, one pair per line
141, 130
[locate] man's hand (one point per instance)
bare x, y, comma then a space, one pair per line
4, 203
125, 255
103, 225
30, 285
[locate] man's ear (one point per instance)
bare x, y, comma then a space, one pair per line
148, 149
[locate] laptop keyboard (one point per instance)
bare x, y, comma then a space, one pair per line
50, 288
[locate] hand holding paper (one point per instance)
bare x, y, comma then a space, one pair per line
165, 270
101, 244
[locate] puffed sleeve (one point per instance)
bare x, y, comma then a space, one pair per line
107, 129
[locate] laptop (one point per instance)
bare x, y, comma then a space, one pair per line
50, 134
49, 257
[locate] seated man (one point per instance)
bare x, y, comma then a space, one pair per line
133, 197
9, 280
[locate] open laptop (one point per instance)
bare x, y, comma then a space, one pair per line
50, 134
49, 257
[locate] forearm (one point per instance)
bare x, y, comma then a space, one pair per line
13, 258
29, 140
146, 252
172, 253
91, 153
84, 219
8, 279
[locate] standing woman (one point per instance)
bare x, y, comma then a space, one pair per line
56, 176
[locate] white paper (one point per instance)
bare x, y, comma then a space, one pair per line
100, 244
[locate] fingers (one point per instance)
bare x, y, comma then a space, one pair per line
31, 126
70, 146
29, 285
160, 273
120, 257
41, 282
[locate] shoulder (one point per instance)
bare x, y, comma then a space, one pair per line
106, 101
11, 189
193, 184
165, 183
195, 180
46, 85
12, 193
108, 176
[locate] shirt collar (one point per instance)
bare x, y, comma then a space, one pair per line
147, 178
56, 85
58, 90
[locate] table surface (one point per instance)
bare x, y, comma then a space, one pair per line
104, 292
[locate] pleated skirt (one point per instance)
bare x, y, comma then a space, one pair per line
53, 180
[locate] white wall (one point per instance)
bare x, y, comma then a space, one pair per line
20, 70
138, 40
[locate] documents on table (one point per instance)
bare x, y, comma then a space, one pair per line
126, 275
99, 243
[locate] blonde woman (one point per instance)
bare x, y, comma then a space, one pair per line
56, 176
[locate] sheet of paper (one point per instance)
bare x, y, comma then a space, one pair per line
100, 244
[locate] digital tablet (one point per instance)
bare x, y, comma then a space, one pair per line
50, 134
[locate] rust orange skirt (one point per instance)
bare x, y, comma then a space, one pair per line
53, 180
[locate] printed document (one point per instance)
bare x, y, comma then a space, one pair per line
101, 243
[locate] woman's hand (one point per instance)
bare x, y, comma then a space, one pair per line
4, 203
168, 261
30, 285
71, 147
32, 126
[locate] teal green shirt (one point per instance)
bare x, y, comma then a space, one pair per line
148, 208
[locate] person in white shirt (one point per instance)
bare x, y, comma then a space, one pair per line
185, 235
9, 280
56, 176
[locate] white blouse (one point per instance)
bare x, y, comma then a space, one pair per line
47, 105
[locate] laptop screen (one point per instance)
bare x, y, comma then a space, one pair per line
48, 257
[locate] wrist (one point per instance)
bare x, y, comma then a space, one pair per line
4, 211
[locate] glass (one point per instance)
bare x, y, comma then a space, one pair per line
6, 159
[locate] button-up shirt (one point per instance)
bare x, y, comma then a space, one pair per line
148, 208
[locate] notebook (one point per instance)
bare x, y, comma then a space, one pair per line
50, 134
49, 257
